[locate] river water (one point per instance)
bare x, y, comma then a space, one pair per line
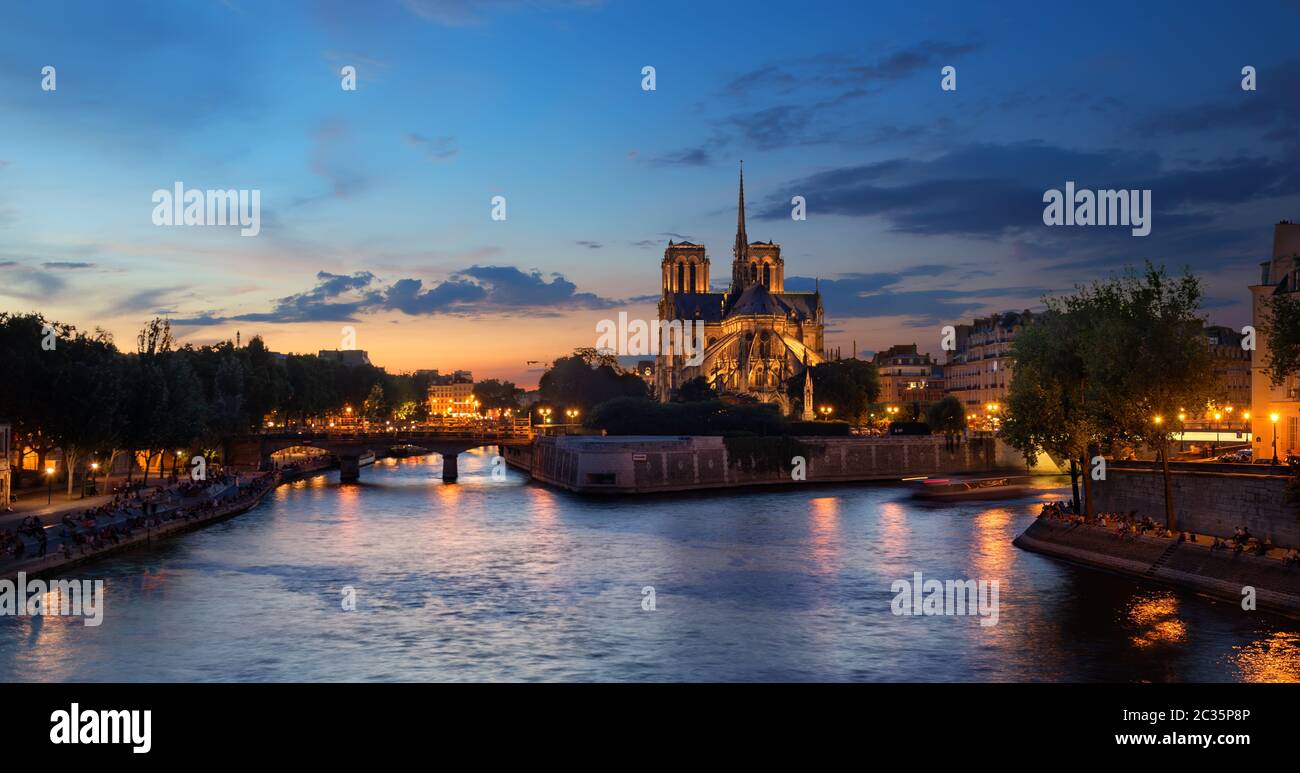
506, 580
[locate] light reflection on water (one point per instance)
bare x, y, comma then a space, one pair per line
506, 580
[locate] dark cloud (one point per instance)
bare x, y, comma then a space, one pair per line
996, 191
687, 157
1272, 108
475, 290
877, 295
66, 264
589, 244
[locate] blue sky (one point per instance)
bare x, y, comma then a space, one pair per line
924, 206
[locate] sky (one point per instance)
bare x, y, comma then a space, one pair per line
924, 205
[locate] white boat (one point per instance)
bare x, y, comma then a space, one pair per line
366, 458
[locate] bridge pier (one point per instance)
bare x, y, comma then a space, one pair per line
349, 468
449, 471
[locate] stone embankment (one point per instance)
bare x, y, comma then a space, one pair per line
1223, 572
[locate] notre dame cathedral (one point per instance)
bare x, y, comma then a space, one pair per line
756, 334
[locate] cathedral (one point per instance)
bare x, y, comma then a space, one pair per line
757, 336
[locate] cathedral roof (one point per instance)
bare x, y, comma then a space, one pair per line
757, 300
708, 305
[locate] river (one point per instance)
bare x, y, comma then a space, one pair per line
506, 580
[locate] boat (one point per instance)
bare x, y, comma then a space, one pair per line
404, 451
366, 458
944, 490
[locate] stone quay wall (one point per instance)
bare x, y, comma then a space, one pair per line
1208, 499
1190, 565
645, 464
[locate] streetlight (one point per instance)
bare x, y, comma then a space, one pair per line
94, 467
826, 411
1273, 417
49, 477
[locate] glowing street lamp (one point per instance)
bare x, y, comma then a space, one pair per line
49, 477
1273, 417
826, 411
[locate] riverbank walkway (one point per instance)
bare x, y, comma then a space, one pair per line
122, 519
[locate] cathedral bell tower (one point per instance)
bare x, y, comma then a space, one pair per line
757, 263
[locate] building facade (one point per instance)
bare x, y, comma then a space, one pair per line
1275, 409
453, 396
756, 335
1232, 368
978, 370
907, 376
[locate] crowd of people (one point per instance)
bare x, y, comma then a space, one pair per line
133, 507
1130, 525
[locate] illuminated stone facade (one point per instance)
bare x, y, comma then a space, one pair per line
757, 335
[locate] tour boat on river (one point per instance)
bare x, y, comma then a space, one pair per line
944, 490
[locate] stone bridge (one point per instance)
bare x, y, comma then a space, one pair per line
253, 451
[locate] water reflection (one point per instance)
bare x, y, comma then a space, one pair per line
1273, 658
1154, 621
506, 580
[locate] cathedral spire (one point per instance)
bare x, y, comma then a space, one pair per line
741, 250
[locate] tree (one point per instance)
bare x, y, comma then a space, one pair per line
848, 386
574, 382
1113, 363
1048, 407
1282, 333
949, 417
87, 391
695, 390
499, 395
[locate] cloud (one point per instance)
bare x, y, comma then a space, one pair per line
331, 159
26, 283
687, 157
990, 191
436, 149
878, 294
589, 244
474, 290
67, 264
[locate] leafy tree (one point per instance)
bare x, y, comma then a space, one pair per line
1113, 363
695, 390
848, 386
87, 389
1049, 409
575, 382
501, 395
949, 417
1282, 334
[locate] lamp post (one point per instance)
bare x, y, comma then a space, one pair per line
94, 467
826, 412
49, 479
1273, 417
